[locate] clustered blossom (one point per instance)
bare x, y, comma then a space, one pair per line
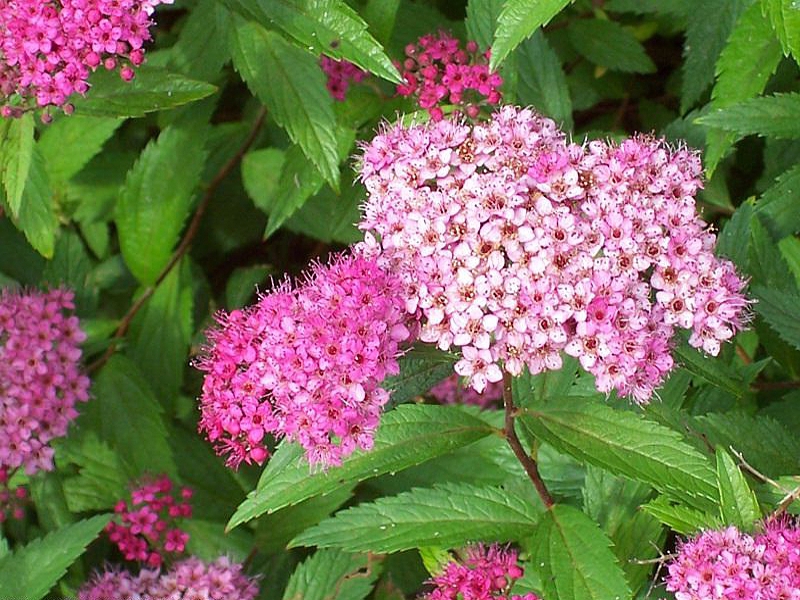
484, 573
189, 579
48, 48
12, 501
340, 74
515, 246
146, 529
305, 364
438, 71
452, 390
40, 375
729, 564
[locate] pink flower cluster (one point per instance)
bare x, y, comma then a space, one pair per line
340, 73
189, 579
483, 573
40, 376
305, 364
731, 565
48, 48
438, 71
147, 529
453, 391
12, 501
515, 245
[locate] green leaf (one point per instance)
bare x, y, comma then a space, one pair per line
380, 15
126, 416
712, 370
738, 505
408, 435
680, 518
625, 444
202, 48
766, 264
517, 21
574, 559
449, 515
733, 241
261, 170
775, 116
156, 199
420, 369
481, 20
785, 18
72, 266
749, 58
542, 82
152, 89
610, 45
288, 80
208, 540
331, 218
710, 24
161, 332
100, 481
37, 214
779, 206
84, 136
16, 148
29, 572
333, 575
780, 310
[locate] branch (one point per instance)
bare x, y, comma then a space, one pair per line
185, 243
528, 463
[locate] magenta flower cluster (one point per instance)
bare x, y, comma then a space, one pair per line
146, 529
48, 48
484, 573
340, 74
189, 579
305, 364
732, 565
40, 375
438, 71
515, 246
452, 390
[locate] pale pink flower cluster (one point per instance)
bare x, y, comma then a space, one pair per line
48, 48
305, 364
438, 72
340, 74
452, 390
146, 529
515, 246
189, 579
732, 565
40, 375
484, 573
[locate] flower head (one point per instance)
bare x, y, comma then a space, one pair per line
452, 390
340, 74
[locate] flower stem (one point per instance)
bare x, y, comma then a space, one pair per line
528, 463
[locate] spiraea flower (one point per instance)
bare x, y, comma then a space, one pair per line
305, 364
146, 528
48, 48
726, 564
438, 71
188, 579
483, 573
40, 375
340, 74
515, 246
452, 390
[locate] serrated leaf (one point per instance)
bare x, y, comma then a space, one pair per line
626, 444
261, 170
408, 435
542, 82
481, 20
749, 58
152, 89
680, 518
124, 413
83, 135
420, 369
100, 481
331, 218
72, 266
738, 505
156, 199
380, 15
517, 21
29, 572
333, 575
712, 370
779, 206
574, 559
208, 540
766, 264
449, 515
710, 24
608, 44
785, 18
202, 48
16, 148
733, 241
780, 310
37, 214
776, 116
288, 80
